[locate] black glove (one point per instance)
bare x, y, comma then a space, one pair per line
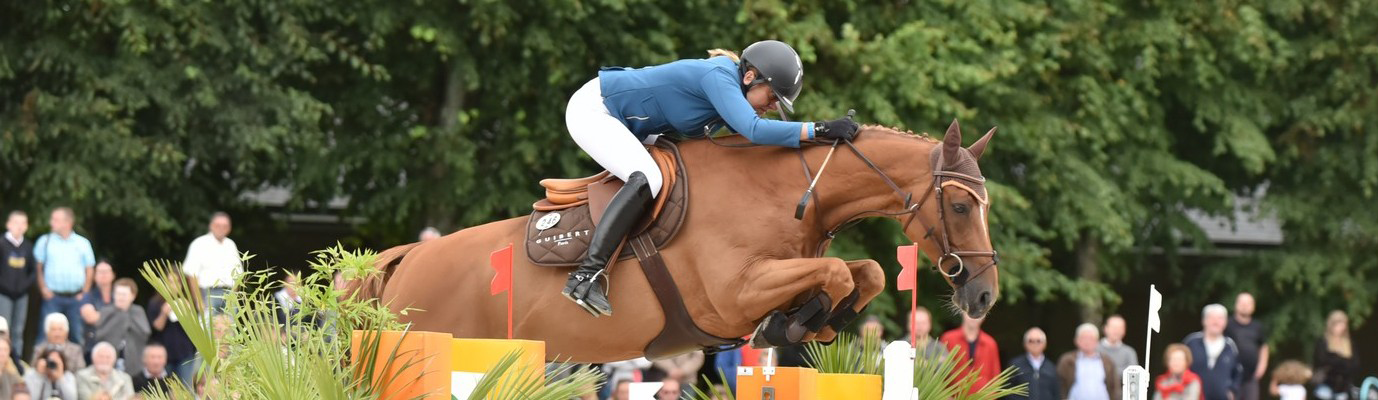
842, 128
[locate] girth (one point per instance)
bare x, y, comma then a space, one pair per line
680, 334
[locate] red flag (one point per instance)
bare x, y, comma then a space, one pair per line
909, 261
501, 262
909, 279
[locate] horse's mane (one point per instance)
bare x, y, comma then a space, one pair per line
886, 130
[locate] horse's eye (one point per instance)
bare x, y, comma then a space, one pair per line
959, 208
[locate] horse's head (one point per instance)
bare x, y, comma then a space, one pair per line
955, 224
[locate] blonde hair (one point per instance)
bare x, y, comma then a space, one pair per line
1292, 372
1338, 344
725, 53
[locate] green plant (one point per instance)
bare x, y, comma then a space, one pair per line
507, 381
849, 354
698, 394
941, 378
248, 352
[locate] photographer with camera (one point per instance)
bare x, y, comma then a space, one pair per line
50, 379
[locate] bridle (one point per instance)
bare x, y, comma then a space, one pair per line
959, 274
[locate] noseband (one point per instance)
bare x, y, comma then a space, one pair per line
958, 273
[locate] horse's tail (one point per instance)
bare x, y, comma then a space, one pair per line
371, 287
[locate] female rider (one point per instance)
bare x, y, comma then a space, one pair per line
612, 115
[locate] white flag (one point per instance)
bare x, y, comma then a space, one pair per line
644, 390
1155, 303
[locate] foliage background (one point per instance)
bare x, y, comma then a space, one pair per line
1116, 118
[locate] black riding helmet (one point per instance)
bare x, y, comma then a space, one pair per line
778, 65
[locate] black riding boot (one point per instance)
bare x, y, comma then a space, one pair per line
623, 212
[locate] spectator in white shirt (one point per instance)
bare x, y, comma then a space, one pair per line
213, 261
427, 234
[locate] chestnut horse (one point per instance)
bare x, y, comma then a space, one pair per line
740, 254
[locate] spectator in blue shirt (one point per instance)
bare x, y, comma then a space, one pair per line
65, 269
1215, 358
726, 363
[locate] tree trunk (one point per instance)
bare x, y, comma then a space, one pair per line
440, 214
1088, 269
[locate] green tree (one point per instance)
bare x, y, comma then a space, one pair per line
148, 115
1117, 119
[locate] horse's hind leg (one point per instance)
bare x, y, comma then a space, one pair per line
771, 285
869, 279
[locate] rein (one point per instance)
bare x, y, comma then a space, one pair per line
959, 274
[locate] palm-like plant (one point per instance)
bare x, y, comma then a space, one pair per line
509, 381
848, 354
942, 378
698, 394
250, 352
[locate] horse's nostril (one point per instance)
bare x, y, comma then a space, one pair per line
985, 299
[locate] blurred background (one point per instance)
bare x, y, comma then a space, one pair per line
1207, 147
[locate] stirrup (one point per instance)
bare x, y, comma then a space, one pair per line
578, 299
607, 282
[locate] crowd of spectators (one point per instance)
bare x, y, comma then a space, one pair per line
96, 342
1225, 360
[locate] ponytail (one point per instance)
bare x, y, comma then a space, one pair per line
725, 53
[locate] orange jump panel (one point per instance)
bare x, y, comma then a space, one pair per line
778, 383
428, 376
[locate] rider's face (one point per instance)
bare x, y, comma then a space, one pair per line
761, 98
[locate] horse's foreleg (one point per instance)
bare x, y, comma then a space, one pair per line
869, 279
771, 285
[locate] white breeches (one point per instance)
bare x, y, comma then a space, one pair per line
606, 139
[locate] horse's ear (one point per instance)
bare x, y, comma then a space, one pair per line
952, 140
980, 146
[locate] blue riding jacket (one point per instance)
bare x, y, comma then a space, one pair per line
692, 98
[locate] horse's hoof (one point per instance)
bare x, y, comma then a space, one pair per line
758, 338
773, 332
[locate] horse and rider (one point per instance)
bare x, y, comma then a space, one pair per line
612, 115
746, 258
